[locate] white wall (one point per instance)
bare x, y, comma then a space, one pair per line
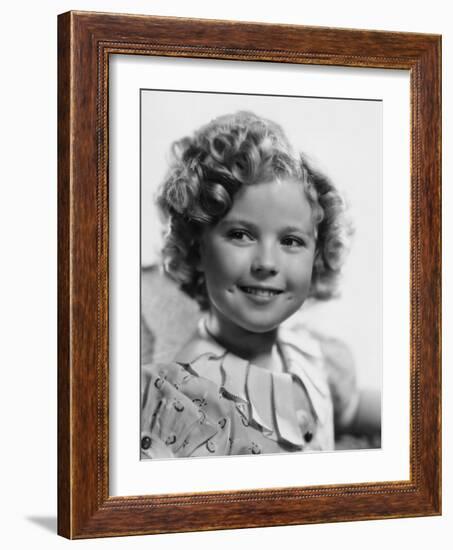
28, 287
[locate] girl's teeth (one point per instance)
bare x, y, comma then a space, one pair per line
259, 291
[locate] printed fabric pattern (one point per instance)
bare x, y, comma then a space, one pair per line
220, 404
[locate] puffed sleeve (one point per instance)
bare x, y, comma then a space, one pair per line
342, 381
173, 420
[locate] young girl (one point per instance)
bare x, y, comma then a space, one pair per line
253, 231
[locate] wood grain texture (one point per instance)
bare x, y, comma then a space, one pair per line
86, 40
64, 370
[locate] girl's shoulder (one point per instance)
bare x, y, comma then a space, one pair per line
322, 349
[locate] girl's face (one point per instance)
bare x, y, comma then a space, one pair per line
258, 259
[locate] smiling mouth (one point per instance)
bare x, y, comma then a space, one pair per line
259, 291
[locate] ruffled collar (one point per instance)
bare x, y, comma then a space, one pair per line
269, 396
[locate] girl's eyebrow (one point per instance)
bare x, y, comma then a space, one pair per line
294, 229
238, 221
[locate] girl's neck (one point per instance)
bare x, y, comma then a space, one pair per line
258, 348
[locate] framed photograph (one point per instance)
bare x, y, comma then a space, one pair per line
249, 275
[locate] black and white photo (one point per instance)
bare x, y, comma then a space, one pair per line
260, 274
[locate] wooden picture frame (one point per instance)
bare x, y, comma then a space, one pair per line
85, 41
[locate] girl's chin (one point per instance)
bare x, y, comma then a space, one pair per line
249, 320
261, 323
258, 327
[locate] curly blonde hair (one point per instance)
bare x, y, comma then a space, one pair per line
210, 167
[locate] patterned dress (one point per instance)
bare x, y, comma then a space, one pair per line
220, 404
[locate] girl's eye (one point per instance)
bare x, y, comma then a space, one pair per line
240, 235
292, 242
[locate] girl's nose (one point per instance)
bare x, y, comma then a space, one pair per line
265, 262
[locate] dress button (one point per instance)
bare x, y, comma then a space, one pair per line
146, 443
170, 440
256, 449
308, 436
178, 406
